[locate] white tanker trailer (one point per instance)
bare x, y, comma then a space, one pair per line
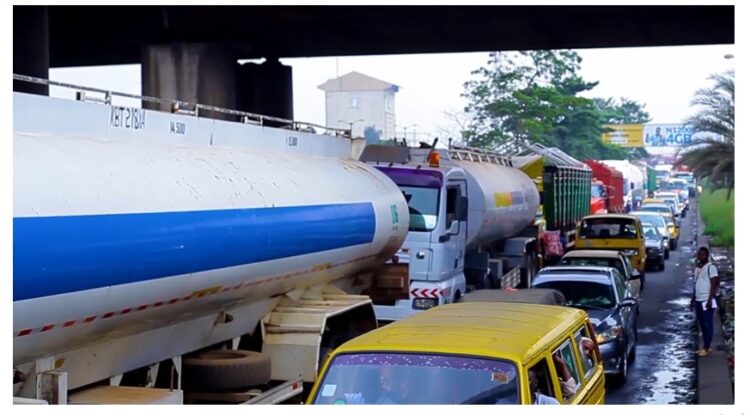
471, 225
143, 239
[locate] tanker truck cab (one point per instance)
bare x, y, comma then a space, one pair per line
433, 252
463, 220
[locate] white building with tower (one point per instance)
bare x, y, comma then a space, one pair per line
358, 101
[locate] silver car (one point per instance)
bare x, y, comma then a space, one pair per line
654, 246
655, 219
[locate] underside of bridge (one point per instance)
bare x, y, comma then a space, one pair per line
190, 52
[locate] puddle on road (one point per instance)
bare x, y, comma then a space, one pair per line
671, 362
645, 330
681, 302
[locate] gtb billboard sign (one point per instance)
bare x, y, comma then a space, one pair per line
667, 135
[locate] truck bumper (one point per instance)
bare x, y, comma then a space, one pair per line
401, 310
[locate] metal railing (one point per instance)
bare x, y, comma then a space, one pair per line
185, 108
478, 155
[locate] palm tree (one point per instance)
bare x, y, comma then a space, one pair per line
713, 157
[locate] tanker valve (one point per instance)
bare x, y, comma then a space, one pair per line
224, 318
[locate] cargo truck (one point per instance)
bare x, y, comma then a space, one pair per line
632, 182
606, 188
564, 186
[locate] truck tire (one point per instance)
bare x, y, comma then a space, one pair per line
217, 370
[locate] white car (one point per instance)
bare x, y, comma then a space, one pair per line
656, 219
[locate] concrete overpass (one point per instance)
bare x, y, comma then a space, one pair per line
190, 53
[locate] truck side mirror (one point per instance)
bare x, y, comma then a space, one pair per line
462, 211
632, 186
454, 227
452, 231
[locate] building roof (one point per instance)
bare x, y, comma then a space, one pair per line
355, 81
512, 331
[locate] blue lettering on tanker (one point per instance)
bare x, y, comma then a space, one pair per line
130, 118
63, 254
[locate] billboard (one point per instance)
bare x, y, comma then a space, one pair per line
668, 135
625, 135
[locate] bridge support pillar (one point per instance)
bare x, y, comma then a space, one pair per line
31, 47
201, 73
265, 89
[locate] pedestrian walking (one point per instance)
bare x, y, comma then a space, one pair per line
704, 297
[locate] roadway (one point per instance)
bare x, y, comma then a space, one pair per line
664, 368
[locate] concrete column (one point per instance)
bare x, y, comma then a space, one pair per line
31, 47
266, 89
197, 73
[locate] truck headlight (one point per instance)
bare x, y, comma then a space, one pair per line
608, 335
630, 252
424, 303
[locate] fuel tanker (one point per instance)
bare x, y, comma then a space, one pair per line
144, 239
471, 221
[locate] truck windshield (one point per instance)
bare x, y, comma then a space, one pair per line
597, 190
423, 207
426, 379
609, 228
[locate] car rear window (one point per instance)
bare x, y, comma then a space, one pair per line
609, 228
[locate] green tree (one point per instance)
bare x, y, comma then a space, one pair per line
712, 156
533, 96
624, 111
372, 135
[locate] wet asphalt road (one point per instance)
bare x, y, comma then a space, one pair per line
664, 368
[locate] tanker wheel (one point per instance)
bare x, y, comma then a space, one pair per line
217, 370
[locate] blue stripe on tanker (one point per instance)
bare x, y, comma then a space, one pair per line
63, 254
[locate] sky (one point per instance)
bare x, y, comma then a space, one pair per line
663, 78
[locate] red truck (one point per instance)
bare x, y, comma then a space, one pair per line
606, 188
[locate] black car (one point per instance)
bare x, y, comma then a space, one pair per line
602, 293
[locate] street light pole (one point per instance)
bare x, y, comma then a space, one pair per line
406, 127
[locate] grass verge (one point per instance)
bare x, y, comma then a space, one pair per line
718, 215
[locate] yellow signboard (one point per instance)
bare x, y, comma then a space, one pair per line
624, 135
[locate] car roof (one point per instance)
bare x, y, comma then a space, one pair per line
610, 215
592, 253
661, 205
513, 331
582, 273
588, 270
646, 213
